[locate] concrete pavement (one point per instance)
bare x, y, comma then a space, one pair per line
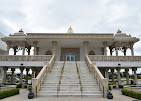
23, 97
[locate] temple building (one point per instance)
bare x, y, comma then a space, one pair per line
66, 59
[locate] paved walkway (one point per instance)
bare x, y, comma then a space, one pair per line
23, 97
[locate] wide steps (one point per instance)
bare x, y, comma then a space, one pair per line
70, 83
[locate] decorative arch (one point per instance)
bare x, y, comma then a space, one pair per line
91, 52
48, 52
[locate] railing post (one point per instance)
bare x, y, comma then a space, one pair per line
34, 86
105, 85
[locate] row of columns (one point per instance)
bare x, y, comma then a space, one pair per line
131, 44
34, 73
106, 74
24, 46
111, 48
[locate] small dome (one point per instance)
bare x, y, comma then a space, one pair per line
70, 30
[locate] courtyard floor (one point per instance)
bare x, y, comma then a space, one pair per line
23, 97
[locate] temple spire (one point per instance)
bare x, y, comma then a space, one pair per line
70, 30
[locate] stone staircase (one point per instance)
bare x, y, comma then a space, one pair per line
70, 83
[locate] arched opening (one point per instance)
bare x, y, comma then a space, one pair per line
48, 52
91, 52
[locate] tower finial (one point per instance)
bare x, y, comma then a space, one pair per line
21, 30
119, 31
70, 30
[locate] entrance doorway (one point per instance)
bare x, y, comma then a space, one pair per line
70, 56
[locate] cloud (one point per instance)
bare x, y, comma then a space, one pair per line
91, 16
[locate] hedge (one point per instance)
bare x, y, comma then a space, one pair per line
120, 86
19, 85
7, 93
133, 94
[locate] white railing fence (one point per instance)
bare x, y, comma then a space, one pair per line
114, 58
103, 82
25, 57
36, 82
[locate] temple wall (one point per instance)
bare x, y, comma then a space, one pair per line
96, 50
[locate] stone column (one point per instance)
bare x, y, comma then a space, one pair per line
12, 76
131, 47
54, 44
21, 74
38, 50
33, 72
8, 47
127, 76
27, 70
28, 50
113, 82
24, 44
105, 45
135, 75
86, 47
35, 43
111, 48
5, 72
116, 48
15, 50
125, 48
106, 73
118, 75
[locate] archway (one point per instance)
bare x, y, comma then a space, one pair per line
48, 52
91, 52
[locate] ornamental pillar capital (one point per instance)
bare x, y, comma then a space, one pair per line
24, 43
35, 43
85, 43
54, 43
105, 43
131, 43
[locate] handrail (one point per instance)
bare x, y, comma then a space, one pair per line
62, 70
36, 82
103, 82
81, 88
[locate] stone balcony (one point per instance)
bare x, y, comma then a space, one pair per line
25, 57
116, 61
114, 58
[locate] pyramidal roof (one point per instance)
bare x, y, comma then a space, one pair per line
70, 30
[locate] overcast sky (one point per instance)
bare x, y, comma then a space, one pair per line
91, 16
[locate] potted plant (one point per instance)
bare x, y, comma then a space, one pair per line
109, 94
30, 94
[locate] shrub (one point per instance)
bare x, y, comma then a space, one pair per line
7, 93
19, 85
9, 84
131, 94
120, 86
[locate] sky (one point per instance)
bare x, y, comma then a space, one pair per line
85, 16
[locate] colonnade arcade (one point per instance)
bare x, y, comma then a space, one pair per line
35, 71
117, 71
115, 47
24, 46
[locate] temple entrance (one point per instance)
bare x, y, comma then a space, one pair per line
70, 54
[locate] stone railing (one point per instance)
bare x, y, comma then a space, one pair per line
102, 82
36, 82
114, 58
25, 57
